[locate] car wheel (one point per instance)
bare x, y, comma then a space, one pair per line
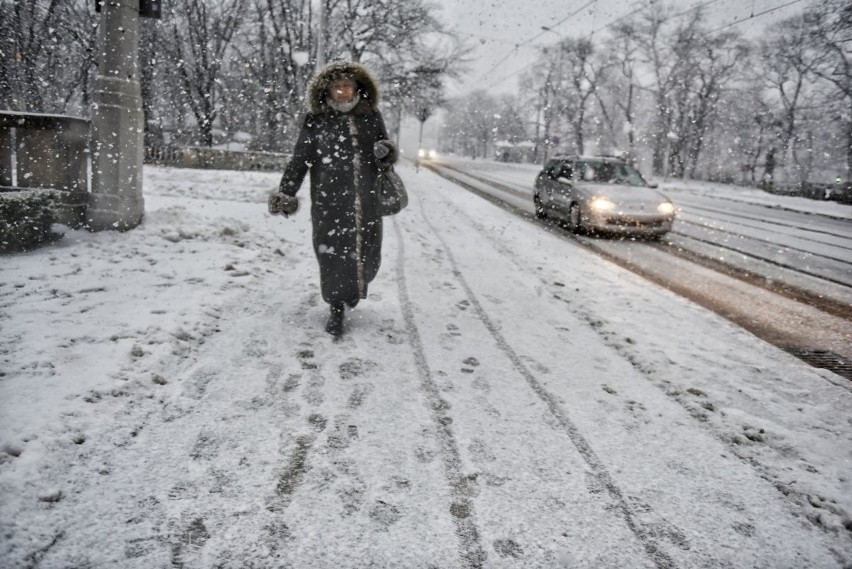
539, 207
575, 219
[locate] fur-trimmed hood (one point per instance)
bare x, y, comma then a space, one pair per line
319, 86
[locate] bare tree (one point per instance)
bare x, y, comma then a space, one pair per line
666, 63
155, 78
544, 84
718, 58
530, 98
28, 56
830, 26
408, 46
378, 27
275, 52
413, 82
786, 62
202, 31
581, 71
748, 126
470, 123
618, 103
510, 123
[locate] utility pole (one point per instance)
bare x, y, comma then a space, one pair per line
117, 122
547, 110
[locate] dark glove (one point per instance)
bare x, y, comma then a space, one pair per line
381, 149
282, 204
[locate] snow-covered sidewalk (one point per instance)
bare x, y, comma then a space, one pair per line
502, 399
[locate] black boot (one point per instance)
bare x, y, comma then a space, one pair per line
334, 326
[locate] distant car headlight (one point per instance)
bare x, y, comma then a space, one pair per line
666, 208
421, 153
433, 154
602, 204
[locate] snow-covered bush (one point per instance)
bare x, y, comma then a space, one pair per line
26, 218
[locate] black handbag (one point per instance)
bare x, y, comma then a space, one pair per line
390, 192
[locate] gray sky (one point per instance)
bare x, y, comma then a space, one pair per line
496, 27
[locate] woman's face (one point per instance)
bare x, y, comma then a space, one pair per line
343, 90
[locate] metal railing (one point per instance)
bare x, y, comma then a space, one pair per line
214, 158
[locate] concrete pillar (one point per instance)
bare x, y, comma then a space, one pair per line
117, 123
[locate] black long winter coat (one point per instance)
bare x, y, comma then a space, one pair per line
337, 149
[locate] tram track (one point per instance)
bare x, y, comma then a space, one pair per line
766, 221
709, 226
826, 304
813, 327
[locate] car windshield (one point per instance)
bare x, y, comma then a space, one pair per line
609, 172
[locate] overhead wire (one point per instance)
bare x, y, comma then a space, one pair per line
753, 16
535, 37
610, 24
642, 5
484, 39
627, 15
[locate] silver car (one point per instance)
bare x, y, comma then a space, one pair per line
601, 194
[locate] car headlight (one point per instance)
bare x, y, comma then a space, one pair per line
601, 204
433, 154
421, 153
666, 208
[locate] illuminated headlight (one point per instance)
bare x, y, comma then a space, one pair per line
602, 204
433, 154
666, 208
421, 153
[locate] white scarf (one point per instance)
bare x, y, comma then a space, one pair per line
343, 107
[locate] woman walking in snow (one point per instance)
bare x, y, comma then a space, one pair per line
344, 144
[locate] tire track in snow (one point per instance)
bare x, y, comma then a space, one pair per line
605, 479
461, 510
791, 495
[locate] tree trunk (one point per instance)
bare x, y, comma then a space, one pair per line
849, 146
578, 127
660, 137
628, 113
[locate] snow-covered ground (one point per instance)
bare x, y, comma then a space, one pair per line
502, 399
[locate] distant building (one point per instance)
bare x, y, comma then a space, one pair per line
505, 151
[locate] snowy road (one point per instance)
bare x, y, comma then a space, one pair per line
805, 243
764, 262
503, 399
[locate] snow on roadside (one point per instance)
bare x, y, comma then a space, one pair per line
759, 197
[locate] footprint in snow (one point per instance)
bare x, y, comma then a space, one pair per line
318, 422
470, 363
305, 358
361, 391
384, 514
508, 548
355, 367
